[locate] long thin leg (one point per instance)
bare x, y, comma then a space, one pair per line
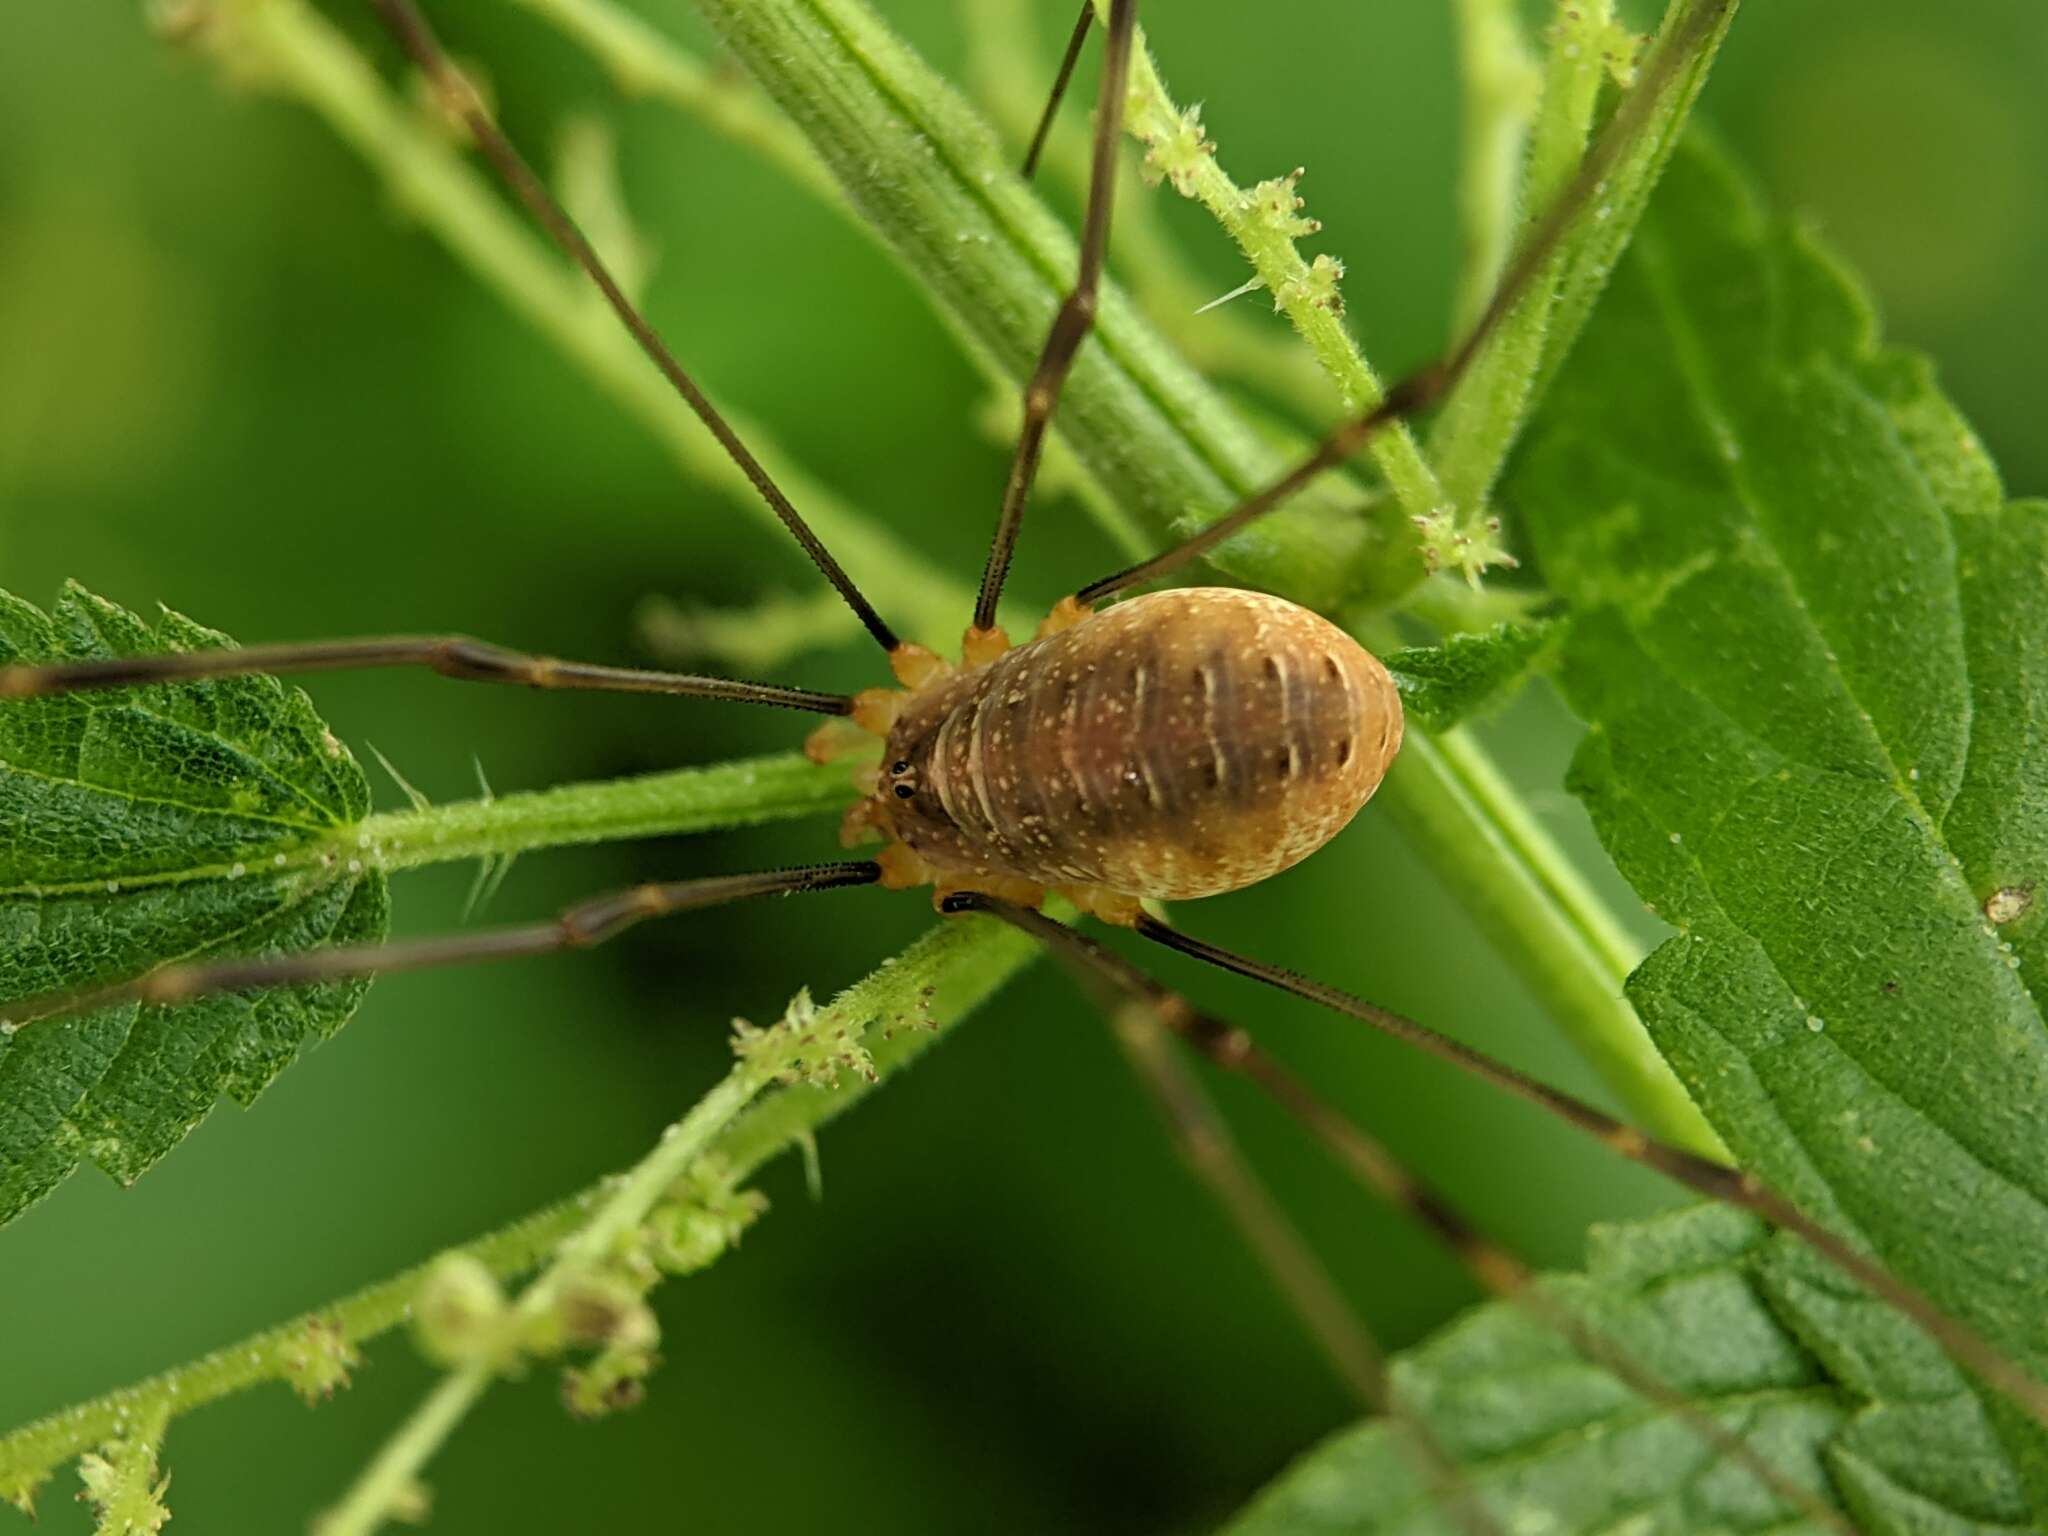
1372, 1165
456, 656
1076, 315
1206, 1145
1429, 384
1059, 88
1212, 1154
1729, 1185
578, 927
461, 99
1210, 1151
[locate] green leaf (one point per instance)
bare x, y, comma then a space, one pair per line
1442, 685
1811, 641
148, 825
1547, 1441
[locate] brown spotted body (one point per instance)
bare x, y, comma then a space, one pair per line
1180, 744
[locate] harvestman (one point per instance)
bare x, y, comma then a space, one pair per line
1179, 744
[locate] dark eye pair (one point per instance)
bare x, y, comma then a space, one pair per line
903, 791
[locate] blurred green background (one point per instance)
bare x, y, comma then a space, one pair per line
232, 379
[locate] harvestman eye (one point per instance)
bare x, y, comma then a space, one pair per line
1011, 843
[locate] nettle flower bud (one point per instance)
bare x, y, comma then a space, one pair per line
686, 1239
690, 1233
1276, 205
459, 1314
1319, 286
1175, 147
613, 1381
319, 1360
604, 1311
802, 1048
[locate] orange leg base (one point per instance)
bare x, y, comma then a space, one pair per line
1099, 901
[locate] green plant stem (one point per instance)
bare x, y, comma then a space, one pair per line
376, 1496
961, 961
993, 258
123, 1481
893, 991
745, 793
1597, 244
1480, 425
738, 794
370, 1501
1264, 223
1220, 340
1500, 88
1517, 885
30, 1453
287, 45
644, 61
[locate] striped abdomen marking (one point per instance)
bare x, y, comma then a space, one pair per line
1177, 745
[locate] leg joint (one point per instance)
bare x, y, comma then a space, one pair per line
595, 921
478, 661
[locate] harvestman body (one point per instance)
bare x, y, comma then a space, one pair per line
1176, 745
1181, 744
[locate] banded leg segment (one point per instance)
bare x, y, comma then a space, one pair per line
578, 927
405, 22
456, 656
1731, 1186
1076, 316
1373, 1166
1429, 384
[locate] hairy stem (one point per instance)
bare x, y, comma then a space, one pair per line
1265, 221
933, 180
891, 992
940, 979
32, 1452
376, 1494
1221, 340
738, 794
745, 793
1501, 82
1480, 426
